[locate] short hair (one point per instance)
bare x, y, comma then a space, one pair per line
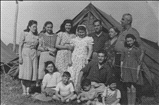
112, 80
66, 74
130, 17
97, 21
133, 37
50, 62
85, 82
102, 51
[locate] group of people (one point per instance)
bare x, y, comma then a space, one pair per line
98, 68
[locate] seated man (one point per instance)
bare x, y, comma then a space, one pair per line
96, 71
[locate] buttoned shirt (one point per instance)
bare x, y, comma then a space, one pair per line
99, 41
96, 74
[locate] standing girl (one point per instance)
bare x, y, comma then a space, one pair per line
130, 66
47, 47
82, 51
63, 46
28, 56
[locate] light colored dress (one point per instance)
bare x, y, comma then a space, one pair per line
28, 69
46, 41
79, 55
62, 57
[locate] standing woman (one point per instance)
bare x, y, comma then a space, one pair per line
28, 44
110, 44
63, 45
131, 59
47, 40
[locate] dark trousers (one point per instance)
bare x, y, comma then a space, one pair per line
120, 85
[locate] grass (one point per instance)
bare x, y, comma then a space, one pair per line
11, 94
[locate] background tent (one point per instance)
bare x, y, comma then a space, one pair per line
7, 56
151, 59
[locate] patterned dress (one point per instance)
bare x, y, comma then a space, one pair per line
28, 69
62, 57
46, 41
79, 55
130, 58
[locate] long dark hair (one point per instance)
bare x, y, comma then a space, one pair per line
50, 62
30, 23
62, 27
44, 29
136, 44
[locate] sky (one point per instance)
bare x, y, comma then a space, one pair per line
145, 15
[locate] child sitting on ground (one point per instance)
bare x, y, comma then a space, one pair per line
111, 95
49, 82
65, 89
88, 94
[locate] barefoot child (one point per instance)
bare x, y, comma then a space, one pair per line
65, 89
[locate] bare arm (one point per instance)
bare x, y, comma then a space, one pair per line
57, 45
90, 50
103, 100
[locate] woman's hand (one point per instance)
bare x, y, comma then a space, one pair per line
20, 60
70, 63
51, 49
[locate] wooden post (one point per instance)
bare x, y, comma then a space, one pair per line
15, 26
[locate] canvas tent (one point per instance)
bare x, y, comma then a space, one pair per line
7, 56
151, 59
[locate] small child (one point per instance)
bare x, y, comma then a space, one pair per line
65, 89
88, 94
49, 82
111, 95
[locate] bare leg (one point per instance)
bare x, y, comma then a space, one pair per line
27, 90
133, 95
23, 88
129, 95
56, 98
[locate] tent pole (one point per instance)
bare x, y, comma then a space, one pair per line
15, 26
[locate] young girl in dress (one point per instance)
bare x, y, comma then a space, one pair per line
88, 93
130, 66
111, 95
65, 89
49, 82
82, 51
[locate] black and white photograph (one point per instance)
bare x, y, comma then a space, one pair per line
79, 52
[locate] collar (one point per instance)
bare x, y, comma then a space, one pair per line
98, 35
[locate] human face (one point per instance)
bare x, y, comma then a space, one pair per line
81, 33
33, 28
112, 86
65, 79
101, 58
50, 68
130, 42
67, 27
87, 88
49, 28
124, 21
112, 33
97, 27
